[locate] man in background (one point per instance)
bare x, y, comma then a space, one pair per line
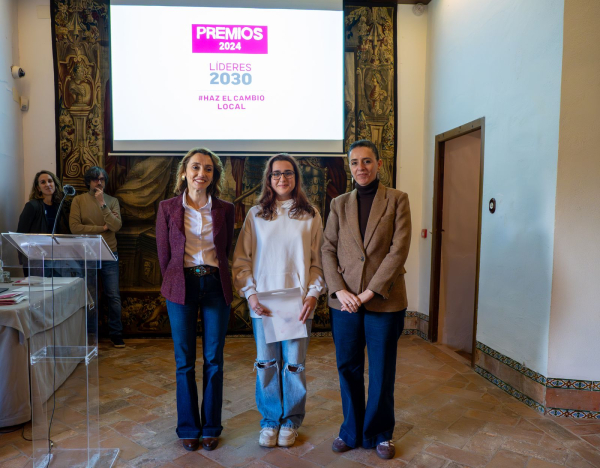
95, 212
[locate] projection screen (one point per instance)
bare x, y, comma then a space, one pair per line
235, 79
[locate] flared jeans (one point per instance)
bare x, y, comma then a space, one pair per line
203, 294
373, 423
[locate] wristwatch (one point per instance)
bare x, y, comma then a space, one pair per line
103, 206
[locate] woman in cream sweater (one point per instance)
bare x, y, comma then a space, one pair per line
279, 248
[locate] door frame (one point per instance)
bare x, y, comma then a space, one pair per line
436, 234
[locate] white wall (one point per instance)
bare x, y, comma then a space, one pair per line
35, 49
412, 55
502, 61
575, 319
11, 165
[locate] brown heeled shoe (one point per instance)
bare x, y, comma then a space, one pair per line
386, 450
340, 446
190, 444
210, 443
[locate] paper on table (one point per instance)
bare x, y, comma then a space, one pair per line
36, 288
285, 305
33, 280
12, 300
36, 280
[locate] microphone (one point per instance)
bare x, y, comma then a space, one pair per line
69, 190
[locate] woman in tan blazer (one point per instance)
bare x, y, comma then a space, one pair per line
366, 243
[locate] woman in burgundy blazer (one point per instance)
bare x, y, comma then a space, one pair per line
194, 232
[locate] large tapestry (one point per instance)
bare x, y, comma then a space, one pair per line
82, 70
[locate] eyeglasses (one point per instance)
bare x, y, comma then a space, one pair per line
99, 179
277, 175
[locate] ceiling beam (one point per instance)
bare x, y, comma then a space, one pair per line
399, 2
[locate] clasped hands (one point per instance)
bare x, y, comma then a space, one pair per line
350, 302
309, 305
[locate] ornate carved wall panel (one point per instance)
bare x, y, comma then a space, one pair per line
370, 47
140, 183
82, 71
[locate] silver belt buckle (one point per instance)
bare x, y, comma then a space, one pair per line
200, 270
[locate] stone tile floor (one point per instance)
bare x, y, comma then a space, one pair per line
447, 416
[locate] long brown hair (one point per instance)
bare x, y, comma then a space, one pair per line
36, 193
216, 186
268, 200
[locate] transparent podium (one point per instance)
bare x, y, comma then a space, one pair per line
60, 286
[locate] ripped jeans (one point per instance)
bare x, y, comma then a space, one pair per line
280, 379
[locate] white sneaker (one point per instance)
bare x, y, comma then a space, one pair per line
287, 437
268, 437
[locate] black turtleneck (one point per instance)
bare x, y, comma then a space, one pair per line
365, 194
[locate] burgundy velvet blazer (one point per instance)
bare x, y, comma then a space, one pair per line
170, 241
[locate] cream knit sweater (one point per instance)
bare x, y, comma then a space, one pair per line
279, 254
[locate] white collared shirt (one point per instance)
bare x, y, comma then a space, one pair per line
199, 243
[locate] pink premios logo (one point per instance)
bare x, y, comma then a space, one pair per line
228, 39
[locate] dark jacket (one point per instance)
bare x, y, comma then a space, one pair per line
33, 219
170, 242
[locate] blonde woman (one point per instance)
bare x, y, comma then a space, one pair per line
194, 232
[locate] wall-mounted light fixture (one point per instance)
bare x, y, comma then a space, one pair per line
418, 9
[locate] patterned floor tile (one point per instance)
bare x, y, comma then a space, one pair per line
447, 416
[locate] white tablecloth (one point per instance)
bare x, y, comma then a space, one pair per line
15, 334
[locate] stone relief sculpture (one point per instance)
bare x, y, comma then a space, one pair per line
140, 183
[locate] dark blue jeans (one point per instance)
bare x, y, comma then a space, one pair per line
204, 293
367, 425
46, 269
109, 274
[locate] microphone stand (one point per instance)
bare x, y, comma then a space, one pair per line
67, 190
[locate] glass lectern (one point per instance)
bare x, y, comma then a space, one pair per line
62, 330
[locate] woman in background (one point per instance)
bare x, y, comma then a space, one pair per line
194, 232
40, 213
279, 248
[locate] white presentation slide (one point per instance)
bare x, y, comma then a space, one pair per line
194, 74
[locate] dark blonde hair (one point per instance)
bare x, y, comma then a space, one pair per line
268, 200
216, 186
36, 193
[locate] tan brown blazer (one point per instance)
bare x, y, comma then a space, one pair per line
378, 262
